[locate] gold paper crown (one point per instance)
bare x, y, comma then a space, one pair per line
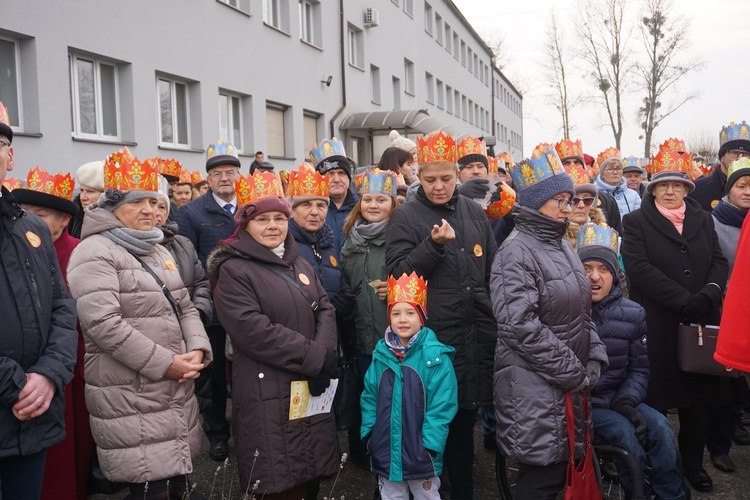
739, 164
671, 161
492, 163
672, 144
11, 183
186, 177
196, 177
436, 146
578, 175
124, 172
259, 185
411, 289
58, 185
306, 181
607, 154
567, 148
504, 205
470, 146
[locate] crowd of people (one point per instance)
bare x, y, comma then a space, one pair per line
464, 287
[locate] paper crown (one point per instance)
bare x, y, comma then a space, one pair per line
672, 144
436, 146
566, 148
671, 161
357, 182
11, 183
169, 167
507, 158
492, 164
695, 171
411, 289
470, 146
4, 116
543, 164
306, 181
376, 181
578, 175
632, 161
594, 234
325, 149
738, 165
400, 180
124, 172
221, 152
196, 177
733, 132
58, 185
504, 205
259, 185
186, 177
607, 154
706, 169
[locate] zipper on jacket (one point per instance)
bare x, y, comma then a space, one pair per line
35, 289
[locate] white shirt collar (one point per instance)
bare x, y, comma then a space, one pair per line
221, 202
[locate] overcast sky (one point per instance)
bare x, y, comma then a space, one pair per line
721, 38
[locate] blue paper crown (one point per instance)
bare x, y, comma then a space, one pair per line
733, 132
594, 234
221, 148
376, 181
632, 161
326, 149
543, 164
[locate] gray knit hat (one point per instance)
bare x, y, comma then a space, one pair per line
112, 199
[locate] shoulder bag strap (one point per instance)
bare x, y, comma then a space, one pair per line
569, 420
313, 304
172, 301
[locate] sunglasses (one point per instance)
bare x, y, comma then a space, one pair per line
587, 202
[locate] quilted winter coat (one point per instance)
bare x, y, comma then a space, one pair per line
542, 302
145, 425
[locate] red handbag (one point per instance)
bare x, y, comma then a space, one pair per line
581, 482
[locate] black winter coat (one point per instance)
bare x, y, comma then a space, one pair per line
204, 223
608, 205
709, 190
621, 325
665, 268
458, 299
47, 341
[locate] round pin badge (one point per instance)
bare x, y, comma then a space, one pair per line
304, 279
334, 263
478, 250
33, 239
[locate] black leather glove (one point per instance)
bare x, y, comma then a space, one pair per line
474, 188
318, 385
330, 364
345, 301
697, 307
625, 406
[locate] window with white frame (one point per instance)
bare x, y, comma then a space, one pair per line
439, 29
475, 66
309, 22
243, 5
409, 7
276, 14
276, 130
408, 76
94, 92
428, 18
230, 119
310, 121
356, 47
449, 99
448, 37
9, 80
440, 94
173, 112
374, 84
456, 46
429, 85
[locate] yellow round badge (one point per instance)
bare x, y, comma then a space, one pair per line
478, 250
34, 240
304, 279
171, 266
333, 261
714, 203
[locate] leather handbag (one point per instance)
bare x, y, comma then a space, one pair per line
581, 482
696, 345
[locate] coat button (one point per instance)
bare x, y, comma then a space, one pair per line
468, 288
683, 249
462, 250
437, 359
687, 273
429, 362
260, 375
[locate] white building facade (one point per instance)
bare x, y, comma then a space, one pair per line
166, 78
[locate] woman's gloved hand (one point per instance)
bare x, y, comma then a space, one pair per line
318, 385
593, 370
625, 406
474, 188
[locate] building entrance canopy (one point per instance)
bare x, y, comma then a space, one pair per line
408, 120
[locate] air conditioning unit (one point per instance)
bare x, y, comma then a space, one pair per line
372, 17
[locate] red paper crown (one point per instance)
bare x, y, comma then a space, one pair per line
58, 185
671, 161
186, 177
170, 167
672, 144
607, 154
504, 205
578, 175
196, 177
124, 172
259, 185
470, 146
10, 183
306, 181
436, 146
507, 158
492, 164
566, 148
411, 289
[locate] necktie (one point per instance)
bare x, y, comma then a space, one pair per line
229, 208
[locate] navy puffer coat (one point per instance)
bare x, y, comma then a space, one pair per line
320, 251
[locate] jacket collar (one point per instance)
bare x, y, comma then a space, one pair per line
245, 247
322, 239
535, 223
212, 206
349, 202
449, 205
693, 219
600, 184
9, 207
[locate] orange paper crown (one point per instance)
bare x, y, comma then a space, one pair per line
578, 175
411, 289
671, 161
672, 144
186, 177
607, 154
259, 185
124, 172
170, 167
436, 146
507, 158
196, 177
470, 146
58, 185
492, 163
567, 148
306, 181
504, 205
10, 183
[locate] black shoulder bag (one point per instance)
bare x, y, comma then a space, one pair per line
172, 301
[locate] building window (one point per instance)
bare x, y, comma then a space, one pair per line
428, 18
375, 84
230, 119
456, 46
310, 122
463, 52
243, 5
94, 97
356, 48
449, 99
470, 61
276, 130
448, 38
409, 7
276, 14
440, 95
439, 29
471, 112
9, 84
429, 84
457, 103
464, 108
475, 65
173, 112
309, 22
396, 93
408, 77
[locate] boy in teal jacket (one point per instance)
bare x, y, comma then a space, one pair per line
410, 397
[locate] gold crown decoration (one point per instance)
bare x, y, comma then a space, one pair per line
58, 185
306, 181
734, 131
567, 148
672, 144
258, 185
578, 175
492, 163
327, 148
594, 234
411, 289
196, 177
504, 205
436, 146
608, 154
11, 183
544, 163
671, 161
169, 167
124, 172
470, 146
737, 165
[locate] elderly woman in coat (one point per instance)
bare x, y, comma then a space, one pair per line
547, 344
144, 344
678, 274
263, 296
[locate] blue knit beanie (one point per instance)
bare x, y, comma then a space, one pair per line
535, 195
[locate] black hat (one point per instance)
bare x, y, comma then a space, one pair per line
39, 199
472, 158
5, 123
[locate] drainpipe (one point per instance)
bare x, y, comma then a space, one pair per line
343, 67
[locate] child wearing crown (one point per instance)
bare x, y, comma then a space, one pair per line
410, 397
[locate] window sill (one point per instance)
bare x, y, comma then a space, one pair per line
235, 8
277, 29
36, 135
114, 142
409, 92
186, 149
375, 102
310, 44
357, 67
289, 158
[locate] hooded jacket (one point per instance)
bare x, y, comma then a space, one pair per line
627, 199
542, 302
406, 408
145, 425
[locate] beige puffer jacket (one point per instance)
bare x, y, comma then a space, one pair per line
146, 426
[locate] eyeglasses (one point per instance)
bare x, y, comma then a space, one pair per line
563, 204
613, 169
279, 220
735, 153
218, 175
5, 143
587, 202
664, 186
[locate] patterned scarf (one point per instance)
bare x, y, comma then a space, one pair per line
394, 343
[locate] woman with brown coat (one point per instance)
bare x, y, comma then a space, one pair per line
278, 338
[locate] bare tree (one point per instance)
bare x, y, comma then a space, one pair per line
665, 36
555, 60
500, 55
703, 142
604, 51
